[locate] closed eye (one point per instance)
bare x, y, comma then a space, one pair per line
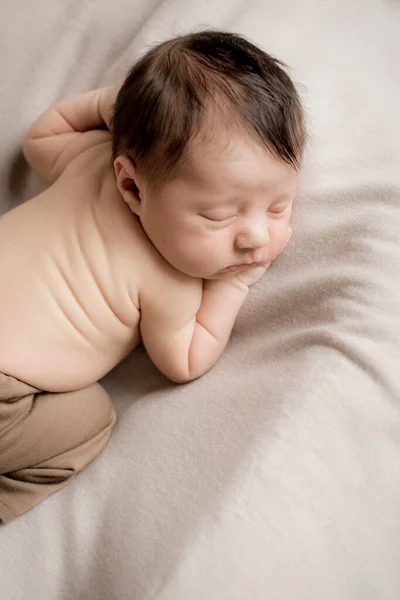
279, 209
224, 219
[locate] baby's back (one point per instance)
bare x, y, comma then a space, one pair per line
69, 262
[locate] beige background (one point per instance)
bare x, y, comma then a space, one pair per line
276, 475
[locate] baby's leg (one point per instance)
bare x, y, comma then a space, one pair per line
46, 439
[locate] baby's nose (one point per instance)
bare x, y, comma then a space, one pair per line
253, 236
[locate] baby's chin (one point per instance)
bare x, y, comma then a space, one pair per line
224, 274
197, 275
191, 272
215, 272
202, 275
215, 276
196, 271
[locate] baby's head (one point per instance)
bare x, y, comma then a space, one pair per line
208, 134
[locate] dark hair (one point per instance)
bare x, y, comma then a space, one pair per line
162, 103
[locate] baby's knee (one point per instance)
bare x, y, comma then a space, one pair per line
93, 407
59, 436
103, 406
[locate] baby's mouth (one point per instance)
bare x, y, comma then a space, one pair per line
238, 267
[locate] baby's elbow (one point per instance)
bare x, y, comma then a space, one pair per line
32, 149
180, 375
181, 371
27, 149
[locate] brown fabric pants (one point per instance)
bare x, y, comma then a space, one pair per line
46, 439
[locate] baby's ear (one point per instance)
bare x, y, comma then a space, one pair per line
125, 174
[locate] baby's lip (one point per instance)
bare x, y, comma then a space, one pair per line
239, 266
248, 263
250, 260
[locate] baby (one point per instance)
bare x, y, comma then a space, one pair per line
169, 197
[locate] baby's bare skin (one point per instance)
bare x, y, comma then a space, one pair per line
73, 261
69, 270
82, 283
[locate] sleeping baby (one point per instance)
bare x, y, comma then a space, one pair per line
168, 197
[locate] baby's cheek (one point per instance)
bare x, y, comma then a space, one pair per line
279, 236
197, 250
211, 249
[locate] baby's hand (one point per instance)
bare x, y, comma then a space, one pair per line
251, 275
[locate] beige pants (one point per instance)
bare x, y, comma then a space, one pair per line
46, 439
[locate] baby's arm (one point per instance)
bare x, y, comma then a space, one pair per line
186, 328
56, 137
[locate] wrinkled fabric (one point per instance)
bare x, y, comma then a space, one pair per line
277, 474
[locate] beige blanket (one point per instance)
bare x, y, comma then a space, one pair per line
276, 475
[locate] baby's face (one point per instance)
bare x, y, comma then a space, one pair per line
231, 213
